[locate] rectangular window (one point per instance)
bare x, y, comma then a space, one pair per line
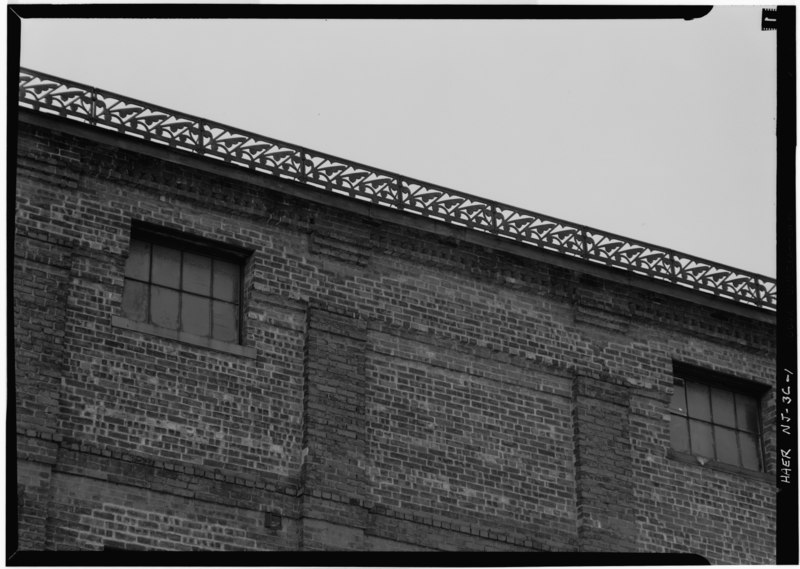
716, 417
184, 285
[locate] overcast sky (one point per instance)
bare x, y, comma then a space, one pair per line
659, 130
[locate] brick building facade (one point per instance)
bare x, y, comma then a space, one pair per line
368, 377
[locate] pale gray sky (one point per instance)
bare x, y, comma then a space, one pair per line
658, 130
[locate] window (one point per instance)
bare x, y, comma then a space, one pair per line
185, 286
716, 417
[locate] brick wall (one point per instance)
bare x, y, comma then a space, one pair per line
407, 390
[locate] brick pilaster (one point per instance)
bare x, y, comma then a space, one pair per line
334, 441
603, 464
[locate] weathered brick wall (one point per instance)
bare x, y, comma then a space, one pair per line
174, 407
457, 434
88, 513
408, 391
602, 448
726, 517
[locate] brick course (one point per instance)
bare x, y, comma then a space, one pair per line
408, 390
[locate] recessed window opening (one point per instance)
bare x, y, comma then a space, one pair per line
183, 285
716, 420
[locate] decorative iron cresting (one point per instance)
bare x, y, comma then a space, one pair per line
103, 109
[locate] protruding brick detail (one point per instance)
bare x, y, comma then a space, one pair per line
598, 306
339, 240
603, 465
92, 514
334, 441
33, 502
42, 273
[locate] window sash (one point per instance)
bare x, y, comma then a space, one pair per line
701, 431
167, 302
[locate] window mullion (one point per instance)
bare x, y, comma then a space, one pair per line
211, 300
712, 422
239, 315
760, 439
150, 286
738, 431
688, 415
180, 291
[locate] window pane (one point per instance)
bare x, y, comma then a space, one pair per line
747, 411
722, 407
678, 403
679, 434
166, 266
725, 440
701, 439
138, 263
226, 326
195, 315
226, 281
750, 453
164, 307
698, 401
134, 300
197, 274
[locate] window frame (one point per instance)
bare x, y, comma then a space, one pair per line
732, 384
183, 242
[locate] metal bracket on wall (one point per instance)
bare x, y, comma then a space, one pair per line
272, 520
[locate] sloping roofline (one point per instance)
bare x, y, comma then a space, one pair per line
109, 111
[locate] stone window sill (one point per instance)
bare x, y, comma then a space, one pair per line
720, 466
191, 339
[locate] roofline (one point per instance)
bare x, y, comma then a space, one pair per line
381, 214
466, 214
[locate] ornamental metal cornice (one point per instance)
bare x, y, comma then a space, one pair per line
52, 95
